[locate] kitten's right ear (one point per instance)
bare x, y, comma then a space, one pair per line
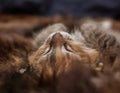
44, 33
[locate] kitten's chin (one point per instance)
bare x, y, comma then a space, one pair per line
56, 62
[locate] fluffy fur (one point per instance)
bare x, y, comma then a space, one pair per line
100, 36
62, 61
14, 50
88, 43
58, 51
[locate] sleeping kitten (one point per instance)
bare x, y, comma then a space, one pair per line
88, 43
58, 51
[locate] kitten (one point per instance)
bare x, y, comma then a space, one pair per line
59, 47
58, 52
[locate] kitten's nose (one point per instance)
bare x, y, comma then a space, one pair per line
57, 39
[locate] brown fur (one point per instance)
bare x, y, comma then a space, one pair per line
85, 80
79, 79
56, 55
91, 36
14, 51
101, 36
58, 51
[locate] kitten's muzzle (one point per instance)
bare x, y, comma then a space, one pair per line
57, 39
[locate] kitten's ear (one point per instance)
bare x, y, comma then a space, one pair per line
43, 34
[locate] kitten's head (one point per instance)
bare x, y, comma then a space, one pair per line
57, 54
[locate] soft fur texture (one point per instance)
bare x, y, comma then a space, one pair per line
60, 60
98, 35
89, 43
14, 51
58, 52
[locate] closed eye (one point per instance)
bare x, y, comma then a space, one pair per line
68, 48
47, 50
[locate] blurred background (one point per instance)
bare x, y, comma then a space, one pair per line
28, 16
75, 8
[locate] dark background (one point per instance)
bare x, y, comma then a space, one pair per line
76, 8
